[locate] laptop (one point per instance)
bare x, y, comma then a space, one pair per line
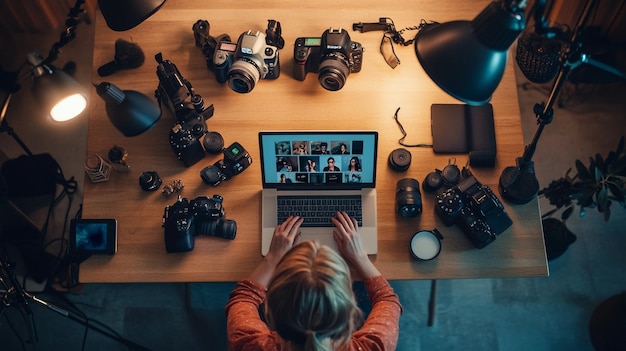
333, 170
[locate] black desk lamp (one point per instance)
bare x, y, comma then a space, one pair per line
467, 59
62, 97
131, 112
121, 15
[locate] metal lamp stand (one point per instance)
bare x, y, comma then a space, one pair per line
518, 184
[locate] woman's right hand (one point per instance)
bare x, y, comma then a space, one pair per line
349, 243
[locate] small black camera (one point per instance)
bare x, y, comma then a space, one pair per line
333, 56
408, 197
474, 208
184, 220
236, 160
188, 108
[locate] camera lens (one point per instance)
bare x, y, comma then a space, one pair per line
333, 71
150, 181
450, 175
226, 228
243, 75
399, 159
213, 142
408, 198
221, 228
432, 182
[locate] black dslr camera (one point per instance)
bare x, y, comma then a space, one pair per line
183, 220
190, 112
474, 208
333, 55
236, 160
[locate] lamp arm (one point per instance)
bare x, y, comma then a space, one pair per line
68, 34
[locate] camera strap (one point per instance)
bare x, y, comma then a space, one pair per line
274, 34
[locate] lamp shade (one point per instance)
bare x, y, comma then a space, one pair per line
121, 15
59, 93
131, 112
467, 58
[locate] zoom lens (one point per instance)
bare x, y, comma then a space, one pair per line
243, 76
333, 72
408, 198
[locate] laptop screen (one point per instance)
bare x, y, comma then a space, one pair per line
318, 159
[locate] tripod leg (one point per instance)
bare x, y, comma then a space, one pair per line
130, 344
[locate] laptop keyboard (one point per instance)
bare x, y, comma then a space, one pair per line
317, 210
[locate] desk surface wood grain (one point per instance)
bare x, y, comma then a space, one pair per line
367, 101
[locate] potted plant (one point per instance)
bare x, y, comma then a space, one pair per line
597, 185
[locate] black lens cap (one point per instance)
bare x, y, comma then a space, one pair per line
149, 181
213, 142
399, 159
451, 175
432, 182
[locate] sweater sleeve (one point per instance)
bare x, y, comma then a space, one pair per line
380, 330
244, 328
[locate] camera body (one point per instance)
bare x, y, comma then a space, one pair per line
223, 60
188, 108
184, 220
236, 160
251, 60
474, 208
333, 56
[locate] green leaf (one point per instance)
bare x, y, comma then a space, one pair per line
602, 198
599, 175
600, 163
619, 167
607, 212
616, 192
583, 174
609, 161
567, 213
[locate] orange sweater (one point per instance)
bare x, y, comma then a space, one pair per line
246, 330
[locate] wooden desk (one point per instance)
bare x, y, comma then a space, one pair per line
367, 101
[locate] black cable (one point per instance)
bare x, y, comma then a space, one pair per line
404, 134
15, 331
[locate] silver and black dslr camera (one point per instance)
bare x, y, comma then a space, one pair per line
243, 64
236, 160
475, 209
184, 220
333, 56
187, 137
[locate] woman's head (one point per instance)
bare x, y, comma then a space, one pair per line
310, 297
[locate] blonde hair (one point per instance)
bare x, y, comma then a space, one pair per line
310, 298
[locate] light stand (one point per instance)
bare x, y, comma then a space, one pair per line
5, 127
518, 184
15, 295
